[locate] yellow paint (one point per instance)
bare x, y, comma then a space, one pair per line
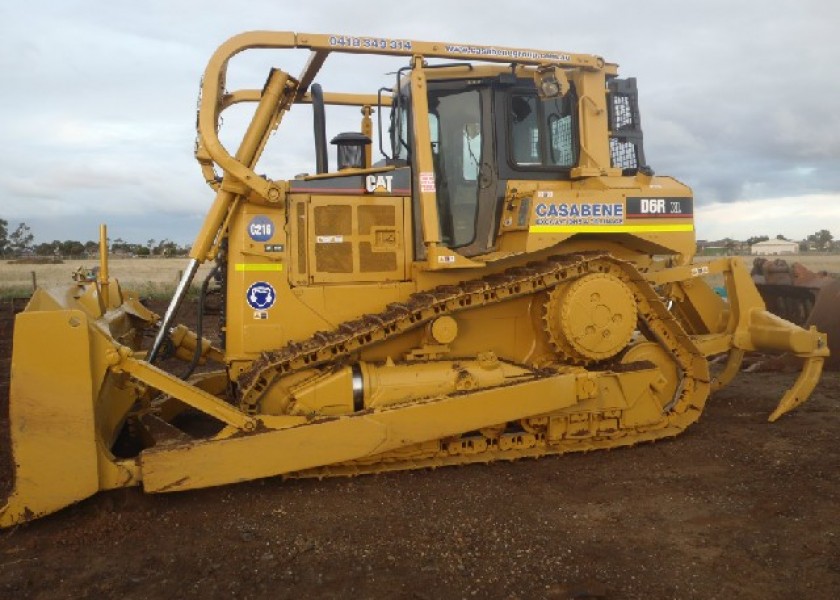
258, 268
610, 228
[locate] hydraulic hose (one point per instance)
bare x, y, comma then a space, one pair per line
199, 326
174, 305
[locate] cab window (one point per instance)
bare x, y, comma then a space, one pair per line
541, 131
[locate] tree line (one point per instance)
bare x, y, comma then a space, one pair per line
21, 242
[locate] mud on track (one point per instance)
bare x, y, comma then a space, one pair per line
735, 507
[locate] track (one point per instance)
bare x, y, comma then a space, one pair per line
588, 428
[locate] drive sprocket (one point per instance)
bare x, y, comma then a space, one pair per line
590, 319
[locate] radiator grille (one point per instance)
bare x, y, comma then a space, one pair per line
334, 220
355, 240
375, 262
300, 214
334, 257
371, 216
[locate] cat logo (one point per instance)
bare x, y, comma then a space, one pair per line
378, 183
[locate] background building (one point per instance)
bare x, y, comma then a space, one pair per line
774, 247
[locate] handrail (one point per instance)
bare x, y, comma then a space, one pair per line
214, 98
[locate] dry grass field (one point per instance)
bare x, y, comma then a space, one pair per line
158, 276
152, 276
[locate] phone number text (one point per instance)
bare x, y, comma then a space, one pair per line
344, 41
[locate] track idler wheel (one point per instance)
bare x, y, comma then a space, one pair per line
664, 388
590, 319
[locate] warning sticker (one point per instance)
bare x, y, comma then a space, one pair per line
329, 239
261, 295
427, 181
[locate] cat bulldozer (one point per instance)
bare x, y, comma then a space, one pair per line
508, 279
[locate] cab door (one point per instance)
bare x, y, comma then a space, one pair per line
461, 132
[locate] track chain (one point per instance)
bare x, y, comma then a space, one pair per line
423, 307
420, 308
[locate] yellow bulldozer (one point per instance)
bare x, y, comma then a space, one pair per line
510, 279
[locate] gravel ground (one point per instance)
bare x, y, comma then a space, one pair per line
733, 508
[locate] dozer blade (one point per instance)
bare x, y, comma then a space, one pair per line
54, 442
64, 409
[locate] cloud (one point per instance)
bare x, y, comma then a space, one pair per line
794, 217
98, 112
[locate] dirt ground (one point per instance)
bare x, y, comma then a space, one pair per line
733, 508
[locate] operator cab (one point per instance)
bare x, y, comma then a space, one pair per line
483, 133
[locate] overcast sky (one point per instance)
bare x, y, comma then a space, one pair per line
740, 100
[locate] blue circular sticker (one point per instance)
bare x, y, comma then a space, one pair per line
261, 228
261, 295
